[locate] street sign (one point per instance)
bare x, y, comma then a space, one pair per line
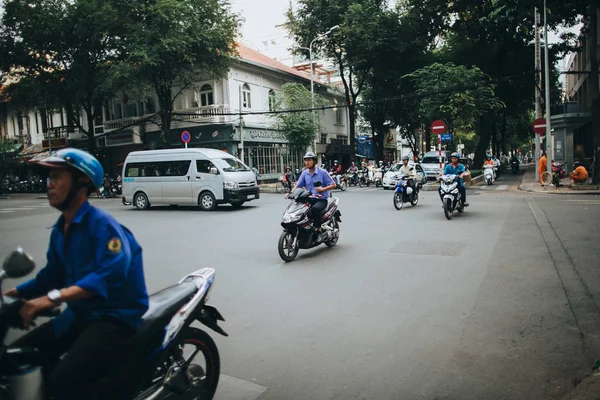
438, 127
539, 126
446, 137
186, 137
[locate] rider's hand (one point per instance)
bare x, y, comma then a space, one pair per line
32, 307
12, 293
320, 189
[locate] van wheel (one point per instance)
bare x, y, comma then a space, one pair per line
141, 201
207, 201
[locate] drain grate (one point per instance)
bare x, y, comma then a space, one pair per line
447, 249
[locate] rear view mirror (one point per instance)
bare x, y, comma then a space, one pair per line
18, 264
317, 184
214, 171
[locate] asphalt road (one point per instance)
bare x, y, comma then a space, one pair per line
494, 304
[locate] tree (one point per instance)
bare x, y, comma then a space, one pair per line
172, 43
65, 48
299, 128
353, 46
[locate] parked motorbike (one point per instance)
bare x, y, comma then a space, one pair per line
558, 173
298, 232
488, 174
451, 198
404, 193
168, 345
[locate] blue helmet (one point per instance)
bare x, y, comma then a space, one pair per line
455, 154
78, 159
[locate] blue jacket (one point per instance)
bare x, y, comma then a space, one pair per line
100, 256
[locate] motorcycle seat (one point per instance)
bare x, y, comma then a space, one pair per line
165, 303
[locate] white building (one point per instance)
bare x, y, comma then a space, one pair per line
208, 112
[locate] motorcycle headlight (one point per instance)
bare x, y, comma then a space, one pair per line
230, 185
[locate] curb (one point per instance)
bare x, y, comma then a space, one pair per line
571, 193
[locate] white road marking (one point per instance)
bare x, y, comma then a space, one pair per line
6, 211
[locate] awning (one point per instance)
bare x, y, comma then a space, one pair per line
39, 157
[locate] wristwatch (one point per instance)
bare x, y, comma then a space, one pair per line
54, 296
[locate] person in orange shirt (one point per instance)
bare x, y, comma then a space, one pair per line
580, 174
542, 165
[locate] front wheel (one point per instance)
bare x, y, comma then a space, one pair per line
448, 209
207, 201
288, 246
280, 187
343, 186
360, 183
398, 200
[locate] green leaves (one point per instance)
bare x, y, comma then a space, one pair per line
299, 128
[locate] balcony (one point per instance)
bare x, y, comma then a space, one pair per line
569, 107
210, 114
59, 132
119, 123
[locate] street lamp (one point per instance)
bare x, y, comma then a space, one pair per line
312, 89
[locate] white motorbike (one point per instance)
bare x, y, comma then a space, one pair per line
489, 174
378, 177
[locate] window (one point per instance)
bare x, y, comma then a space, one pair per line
204, 166
323, 138
158, 168
272, 100
339, 117
246, 103
117, 112
230, 164
206, 95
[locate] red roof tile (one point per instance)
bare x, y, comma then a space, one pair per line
254, 56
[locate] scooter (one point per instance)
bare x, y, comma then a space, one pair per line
514, 166
342, 184
488, 174
166, 345
298, 232
404, 193
378, 178
450, 195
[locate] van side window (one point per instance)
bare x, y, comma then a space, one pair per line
158, 168
204, 166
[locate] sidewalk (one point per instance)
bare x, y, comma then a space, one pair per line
531, 184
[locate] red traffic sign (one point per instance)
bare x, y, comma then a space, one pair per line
539, 126
186, 137
438, 127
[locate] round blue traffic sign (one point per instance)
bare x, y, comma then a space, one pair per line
185, 137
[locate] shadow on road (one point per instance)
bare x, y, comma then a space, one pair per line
219, 209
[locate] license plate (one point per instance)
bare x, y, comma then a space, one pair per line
250, 196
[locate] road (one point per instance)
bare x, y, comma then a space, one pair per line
496, 303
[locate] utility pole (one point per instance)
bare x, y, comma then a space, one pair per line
538, 85
241, 126
549, 155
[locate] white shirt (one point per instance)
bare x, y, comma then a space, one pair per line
408, 170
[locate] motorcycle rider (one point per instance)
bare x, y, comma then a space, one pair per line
289, 176
354, 170
307, 180
94, 265
409, 170
489, 161
456, 168
336, 171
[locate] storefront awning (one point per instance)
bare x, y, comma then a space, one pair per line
39, 157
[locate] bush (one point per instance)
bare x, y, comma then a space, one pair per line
476, 172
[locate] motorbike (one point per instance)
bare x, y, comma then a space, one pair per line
514, 166
285, 183
451, 198
342, 185
363, 178
488, 174
378, 178
117, 187
352, 178
404, 193
298, 232
558, 173
166, 345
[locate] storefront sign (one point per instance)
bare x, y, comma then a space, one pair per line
390, 139
120, 138
263, 135
56, 143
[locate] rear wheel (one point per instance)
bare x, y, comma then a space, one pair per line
141, 201
288, 246
448, 208
335, 234
414, 200
398, 201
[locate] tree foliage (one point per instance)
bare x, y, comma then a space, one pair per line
299, 128
174, 43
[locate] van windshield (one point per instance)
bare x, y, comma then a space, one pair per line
230, 164
432, 160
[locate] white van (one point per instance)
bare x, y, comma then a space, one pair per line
431, 162
203, 177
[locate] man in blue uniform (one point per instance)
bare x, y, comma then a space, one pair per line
94, 265
456, 168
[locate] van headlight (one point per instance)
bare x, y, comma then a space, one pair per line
230, 185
